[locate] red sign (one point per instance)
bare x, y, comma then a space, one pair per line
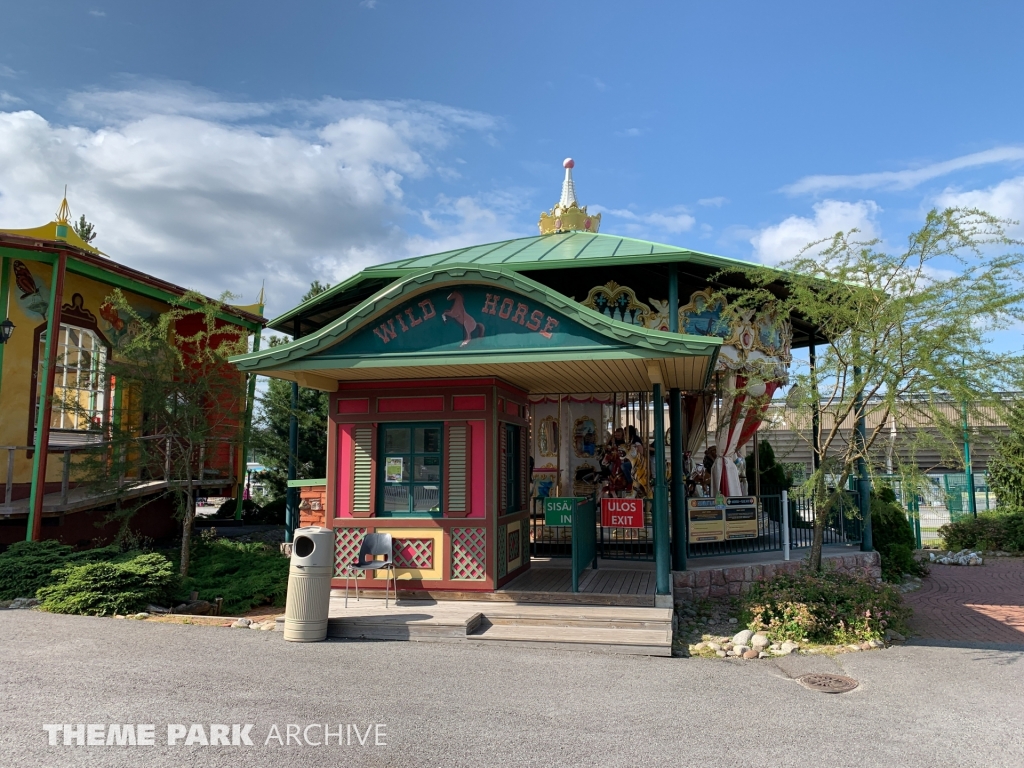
622, 513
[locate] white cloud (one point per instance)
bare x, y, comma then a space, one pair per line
786, 239
672, 220
98, 14
907, 179
189, 187
714, 202
1005, 200
599, 84
371, 4
6, 71
629, 132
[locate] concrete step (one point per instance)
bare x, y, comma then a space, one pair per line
643, 642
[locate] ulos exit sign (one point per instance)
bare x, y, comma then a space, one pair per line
622, 513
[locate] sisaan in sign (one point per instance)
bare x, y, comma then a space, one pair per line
622, 513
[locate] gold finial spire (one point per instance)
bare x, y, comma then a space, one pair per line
568, 216
64, 212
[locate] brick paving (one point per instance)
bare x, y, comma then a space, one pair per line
971, 604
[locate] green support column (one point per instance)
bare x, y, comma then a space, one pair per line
291, 515
5, 290
972, 504
44, 389
247, 427
675, 426
863, 480
662, 551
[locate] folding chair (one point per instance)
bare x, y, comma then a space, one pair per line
374, 545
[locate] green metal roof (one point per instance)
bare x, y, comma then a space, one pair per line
566, 250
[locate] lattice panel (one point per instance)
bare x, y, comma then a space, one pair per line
513, 545
502, 551
346, 548
469, 554
414, 553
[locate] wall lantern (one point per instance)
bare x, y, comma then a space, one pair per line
6, 329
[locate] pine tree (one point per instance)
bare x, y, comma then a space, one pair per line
85, 229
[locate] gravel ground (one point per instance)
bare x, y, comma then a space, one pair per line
450, 705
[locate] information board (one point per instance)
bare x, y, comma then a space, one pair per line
741, 517
706, 520
622, 513
558, 510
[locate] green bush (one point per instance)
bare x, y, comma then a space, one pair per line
1000, 530
244, 574
26, 566
98, 589
824, 607
893, 537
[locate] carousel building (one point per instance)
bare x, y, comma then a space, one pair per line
533, 398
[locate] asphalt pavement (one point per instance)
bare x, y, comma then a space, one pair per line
452, 705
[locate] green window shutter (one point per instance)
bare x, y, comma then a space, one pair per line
458, 474
362, 492
503, 469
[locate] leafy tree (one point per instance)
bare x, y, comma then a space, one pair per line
901, 335
180, 414
85, 229
1006, 467
270, 436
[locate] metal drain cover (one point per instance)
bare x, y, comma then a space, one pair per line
828, 683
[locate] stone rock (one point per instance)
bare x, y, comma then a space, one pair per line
751, 654
733, 621
119, 616
852, 647
892, 636
242, 623
759, 641
789, 646
157, 609
775, 646
23, 602
739, 650
728, 646
866, 646
742, 637
269, 626
715, 647
699, 647
876, 644
721, 654
730, 653
142, 615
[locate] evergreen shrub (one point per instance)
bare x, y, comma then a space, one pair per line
997, 530
106, 588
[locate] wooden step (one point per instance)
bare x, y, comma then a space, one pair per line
643, 642
403, 627
598, 617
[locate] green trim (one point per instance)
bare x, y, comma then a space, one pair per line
119, 281
645, 343
44, 395
27, 255
306, 483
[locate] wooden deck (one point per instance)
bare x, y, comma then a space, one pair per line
612, 585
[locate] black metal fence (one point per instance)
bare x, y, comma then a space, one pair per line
842, 527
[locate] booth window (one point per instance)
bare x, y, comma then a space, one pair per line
411, 463
79, 383
513, 456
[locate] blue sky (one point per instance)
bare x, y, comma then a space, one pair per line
221, 144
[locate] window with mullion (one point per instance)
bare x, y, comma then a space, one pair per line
410, 469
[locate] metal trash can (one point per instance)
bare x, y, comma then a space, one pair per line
309, 585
